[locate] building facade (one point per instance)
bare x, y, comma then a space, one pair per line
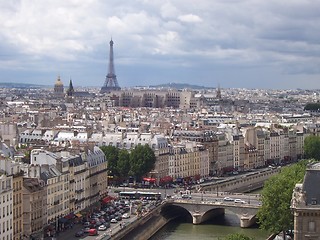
6, 214
305, 204
34, 207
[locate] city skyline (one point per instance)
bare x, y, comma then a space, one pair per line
240, 44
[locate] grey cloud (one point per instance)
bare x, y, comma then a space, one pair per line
163, 34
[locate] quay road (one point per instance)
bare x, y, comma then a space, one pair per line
69, 234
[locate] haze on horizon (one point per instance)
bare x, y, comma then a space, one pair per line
237, 44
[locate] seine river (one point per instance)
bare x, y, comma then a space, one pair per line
215, 229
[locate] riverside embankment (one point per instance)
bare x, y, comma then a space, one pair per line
144, 227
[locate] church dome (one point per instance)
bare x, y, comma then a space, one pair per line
58, 82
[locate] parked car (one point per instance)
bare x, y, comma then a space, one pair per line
126, 215
107, 224
93, 232
102, 228
86, 224
79, 233
86, 229
113, 220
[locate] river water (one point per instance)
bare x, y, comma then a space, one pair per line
218, 228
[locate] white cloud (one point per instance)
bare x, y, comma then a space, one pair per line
281, 34
190, 18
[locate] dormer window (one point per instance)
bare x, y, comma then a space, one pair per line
313, 201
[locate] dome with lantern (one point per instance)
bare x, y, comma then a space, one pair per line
58, 87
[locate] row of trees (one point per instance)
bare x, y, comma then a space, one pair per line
312, 106
275, 214
123, 163
312, 147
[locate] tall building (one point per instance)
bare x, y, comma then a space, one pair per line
58, 88
6, 191
17, 206
111, 82
34, 207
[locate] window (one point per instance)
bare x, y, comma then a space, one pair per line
312, 226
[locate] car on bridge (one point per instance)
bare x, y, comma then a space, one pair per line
239, 201
186, 196
228, 199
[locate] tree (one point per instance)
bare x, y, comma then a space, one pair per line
275, 214
27, 156
312, 106
123, 164
312, 147
142, 160
111, 154
238, 236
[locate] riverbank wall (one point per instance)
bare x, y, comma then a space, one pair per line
143, 228
244, 183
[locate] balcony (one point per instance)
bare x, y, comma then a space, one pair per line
79, 191
80, 171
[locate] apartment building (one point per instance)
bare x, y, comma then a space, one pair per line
97, 178
250, 157
34, 207
275, 144
188, 161
78, 174
6, 207
237, 153
17, 205
57, 191
14, 169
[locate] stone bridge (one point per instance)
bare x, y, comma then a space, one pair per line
201, 211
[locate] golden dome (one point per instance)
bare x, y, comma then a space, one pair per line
58, 82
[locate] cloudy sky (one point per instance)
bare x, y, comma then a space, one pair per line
235, 43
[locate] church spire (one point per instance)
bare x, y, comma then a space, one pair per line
70, 90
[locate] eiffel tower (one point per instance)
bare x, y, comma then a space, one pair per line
111, 83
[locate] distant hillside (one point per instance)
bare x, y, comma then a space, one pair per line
178, 86
20, 85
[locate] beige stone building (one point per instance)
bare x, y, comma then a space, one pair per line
6, 216
34, 207
17, 205
78, 174
187, 161
305, 204
250, 157
97, 179
57, 192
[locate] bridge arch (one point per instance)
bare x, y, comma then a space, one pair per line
210, 214
170, 211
